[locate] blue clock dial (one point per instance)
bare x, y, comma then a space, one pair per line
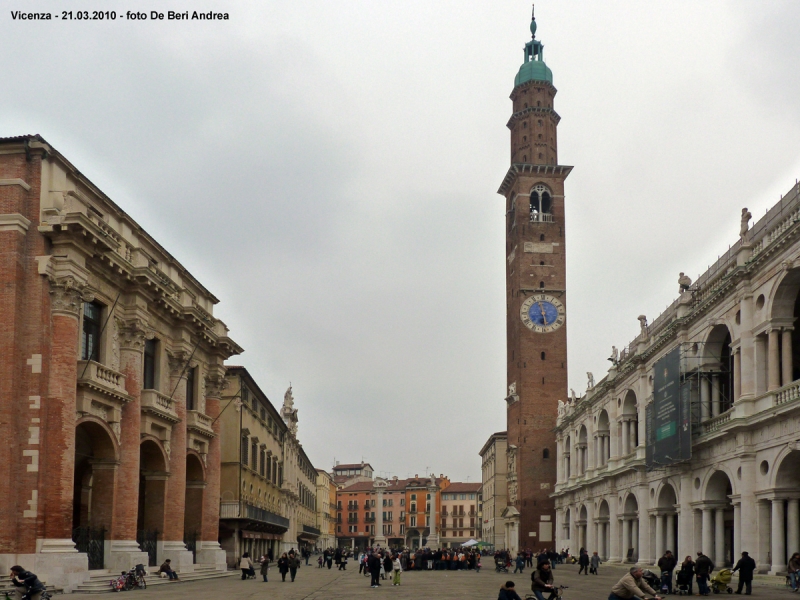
543, 313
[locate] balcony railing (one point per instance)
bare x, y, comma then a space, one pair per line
199, 422
243, 510
311, 530
98, 377
369, 519
537, 217
160, 405
352, 521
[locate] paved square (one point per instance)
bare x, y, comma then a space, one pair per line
322, 584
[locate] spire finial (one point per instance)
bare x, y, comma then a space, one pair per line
533, 21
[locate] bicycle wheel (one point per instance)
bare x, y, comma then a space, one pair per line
141, 583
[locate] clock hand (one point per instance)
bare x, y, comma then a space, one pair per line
544, 316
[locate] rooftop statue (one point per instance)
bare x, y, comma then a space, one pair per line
745, 226
684, 282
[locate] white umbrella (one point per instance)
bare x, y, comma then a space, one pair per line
469, 543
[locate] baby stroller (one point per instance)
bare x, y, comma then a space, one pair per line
684, 580
653, 580
500, 565
719, 582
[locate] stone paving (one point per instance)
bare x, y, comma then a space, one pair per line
321, 584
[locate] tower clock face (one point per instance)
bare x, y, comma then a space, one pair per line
542, 313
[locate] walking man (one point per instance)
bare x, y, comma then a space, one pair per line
746, 566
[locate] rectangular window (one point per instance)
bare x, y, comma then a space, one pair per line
263, 414
413, 496
190, 379
462, 496
339, 529
472, 496
402, 529
263, 466
402, 501
90, 349
391, 502
413, 521
244, 451
472, 522
413, 507
150, 351
254, 457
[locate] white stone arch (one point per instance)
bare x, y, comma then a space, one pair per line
671, 482
630, 503
779, 461
710, 472
782, 297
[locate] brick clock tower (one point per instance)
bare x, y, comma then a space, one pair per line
535, 302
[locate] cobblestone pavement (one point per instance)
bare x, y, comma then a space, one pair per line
321, 584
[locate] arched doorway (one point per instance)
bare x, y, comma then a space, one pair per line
630, 424
784, 314
717, 519
93, 491
193, 514
630, 529
603, 530
666, 526
717, 377
602, 441
785, 510
152, 493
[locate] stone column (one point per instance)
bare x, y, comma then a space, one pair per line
632, 435
708, 532
744, 359
749, 524
122, 550
433, 536
773, 360
613, 529
625, 443
607, 452
659, 549
763, 533
380, 539
715, 395
684, 544
787, 372
635, 539
737, 374
56, 444
670, 537
209, 552
705, 399
719, 537
793, 525
778, 539
626, 538
172, 546
737, 529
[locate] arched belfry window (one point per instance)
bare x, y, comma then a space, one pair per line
541, 204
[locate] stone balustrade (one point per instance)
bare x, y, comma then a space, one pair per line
163, 406
197, 421
100, 378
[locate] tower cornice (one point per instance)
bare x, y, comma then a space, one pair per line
532, 83
517, 169
531, 110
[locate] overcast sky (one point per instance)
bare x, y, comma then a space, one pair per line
329, 170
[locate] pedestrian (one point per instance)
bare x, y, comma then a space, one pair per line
686, 574
594, 562
667, 565
294, 564
397, 568
246, 565
583, 561
507, 592
264, 562
374, 567
632, 585
519, 563
542, 579
702, 570
283, 566
388, 564
746, 566
26, 584
794, 571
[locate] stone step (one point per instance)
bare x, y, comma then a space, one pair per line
99, 584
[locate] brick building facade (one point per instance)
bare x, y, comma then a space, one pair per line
110, 378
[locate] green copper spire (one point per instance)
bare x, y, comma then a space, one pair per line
533, 67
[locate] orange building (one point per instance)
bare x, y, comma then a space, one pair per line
392, 513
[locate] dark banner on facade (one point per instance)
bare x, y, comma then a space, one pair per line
668, 427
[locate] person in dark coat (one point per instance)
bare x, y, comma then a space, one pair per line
583, 561
542, 578
26, 584
686, 574
283, 566
746, 566
702, 569
507, 592
667, 565
374, 567
294, 564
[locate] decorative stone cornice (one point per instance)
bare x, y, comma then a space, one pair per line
67, 295
14, 222
517, 169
